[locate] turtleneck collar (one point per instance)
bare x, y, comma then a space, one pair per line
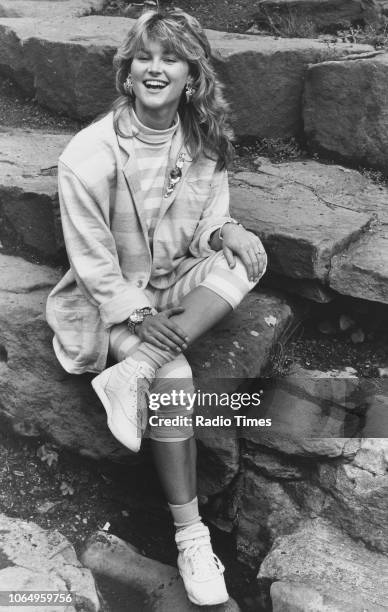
150, 135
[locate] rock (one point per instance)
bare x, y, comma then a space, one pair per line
38, 398
219, 459
218, 345
362, 270
321, 14
303, 597
321, 562
271, 464
311, 289
159, 586
376, 416
345, 107
47, 8
29, 208
356, 501
58, 60
301, 212
265, 510
37, 560
311, 414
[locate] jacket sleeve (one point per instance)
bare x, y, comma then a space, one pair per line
92, 251
214, 214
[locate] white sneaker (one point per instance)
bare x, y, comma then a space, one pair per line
201, 570
123, 389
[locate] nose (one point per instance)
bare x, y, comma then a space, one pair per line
154, 66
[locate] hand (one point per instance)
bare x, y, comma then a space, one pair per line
160, 331
248, 246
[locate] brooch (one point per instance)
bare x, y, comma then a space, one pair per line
175, 175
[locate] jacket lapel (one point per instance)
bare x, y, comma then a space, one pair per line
130, 168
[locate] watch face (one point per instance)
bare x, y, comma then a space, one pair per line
137, 317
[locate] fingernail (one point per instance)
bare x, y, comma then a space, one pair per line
184, 346
186, 338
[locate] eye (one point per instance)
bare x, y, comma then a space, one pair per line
170, 59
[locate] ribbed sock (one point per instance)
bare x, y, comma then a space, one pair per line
185, 515
153, 355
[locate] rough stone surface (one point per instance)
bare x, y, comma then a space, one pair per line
33, 559
48, 8
39, 398
322, 560
323, 14
345, 110
362, 271
29, 208
305, 212
311, 414
59, 59
265, 510
356, 501
158, 585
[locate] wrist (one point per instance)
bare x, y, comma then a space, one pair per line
137, 317
224, 226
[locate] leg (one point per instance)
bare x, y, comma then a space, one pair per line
176, 466
208, 292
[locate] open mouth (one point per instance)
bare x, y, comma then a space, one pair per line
155, 84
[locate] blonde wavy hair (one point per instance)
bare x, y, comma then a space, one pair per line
204, 118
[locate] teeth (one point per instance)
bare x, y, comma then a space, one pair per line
159, 84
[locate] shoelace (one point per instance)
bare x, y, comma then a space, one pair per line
203, 561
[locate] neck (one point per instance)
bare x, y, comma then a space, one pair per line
158, 119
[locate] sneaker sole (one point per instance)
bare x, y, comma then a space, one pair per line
98, 384
197, 602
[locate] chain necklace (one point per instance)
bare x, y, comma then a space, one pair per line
175, 175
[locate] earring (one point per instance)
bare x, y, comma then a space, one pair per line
189, 91
128, 85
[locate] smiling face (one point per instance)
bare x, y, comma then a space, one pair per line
159, 77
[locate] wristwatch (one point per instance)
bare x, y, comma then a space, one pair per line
138, 316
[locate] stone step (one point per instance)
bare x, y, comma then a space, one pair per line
43, 9
362, 270
29, 208
306, 213
38, 398
345, 109
59, 59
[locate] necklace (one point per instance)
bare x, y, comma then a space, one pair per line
175, 175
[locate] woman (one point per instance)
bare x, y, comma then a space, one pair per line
155, 258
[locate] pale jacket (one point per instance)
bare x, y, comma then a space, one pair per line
107, 241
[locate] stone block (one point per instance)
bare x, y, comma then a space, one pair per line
345, 109
33, 559
301, 216
323, 14
362, 270
29, 207
318, 559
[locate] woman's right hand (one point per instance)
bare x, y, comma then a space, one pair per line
160, 331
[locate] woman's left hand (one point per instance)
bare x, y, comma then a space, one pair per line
245, 244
